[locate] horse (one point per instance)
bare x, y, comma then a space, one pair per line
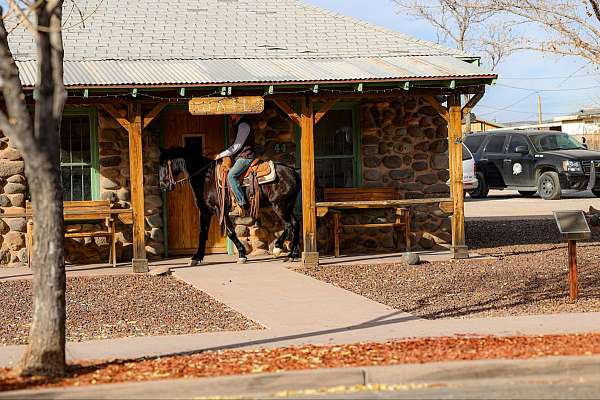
281, 195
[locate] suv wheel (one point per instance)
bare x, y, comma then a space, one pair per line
482, 188
549, 186
527, 193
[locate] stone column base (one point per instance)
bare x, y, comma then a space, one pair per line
310, 259
459, 252
140, 265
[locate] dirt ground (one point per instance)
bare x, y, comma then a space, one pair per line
121, 306
528, 275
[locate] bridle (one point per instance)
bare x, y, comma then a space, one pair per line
171, 177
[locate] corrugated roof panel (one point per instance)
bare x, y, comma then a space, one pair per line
260, 71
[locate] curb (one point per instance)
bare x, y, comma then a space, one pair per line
456, 373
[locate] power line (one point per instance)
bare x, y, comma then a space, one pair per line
548, 90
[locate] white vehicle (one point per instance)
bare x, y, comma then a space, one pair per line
470, 181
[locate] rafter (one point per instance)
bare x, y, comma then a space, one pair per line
286, 108
117, 116
443, 111
154, 113
325, 109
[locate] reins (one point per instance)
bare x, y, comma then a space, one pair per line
187, 178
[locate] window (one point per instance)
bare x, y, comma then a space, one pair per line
79, 157
516, 141
473, 142
495, 144
466, 154
336, 150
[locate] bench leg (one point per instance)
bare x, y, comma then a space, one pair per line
407, 229
113, 245
29, 242
336, 233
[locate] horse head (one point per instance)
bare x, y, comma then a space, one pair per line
172, 164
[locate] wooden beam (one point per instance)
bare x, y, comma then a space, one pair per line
117, 116
309, 210
154, 113
459, 248
286, 108
136, 172
443, 111
324, 110
472, 103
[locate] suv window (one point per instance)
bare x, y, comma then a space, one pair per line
495, 144
466, 153
516, 141
473, 142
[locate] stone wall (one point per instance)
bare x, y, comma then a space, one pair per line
404, 145
13, 191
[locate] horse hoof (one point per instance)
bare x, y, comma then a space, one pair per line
194, 263
277, 252
295, 259
242, 260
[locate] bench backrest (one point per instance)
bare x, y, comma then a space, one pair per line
83, 210
361, 194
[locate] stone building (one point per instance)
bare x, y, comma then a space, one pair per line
389, 127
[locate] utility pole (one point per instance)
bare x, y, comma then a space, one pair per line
539, 109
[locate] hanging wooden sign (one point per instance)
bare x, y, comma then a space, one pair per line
227, 105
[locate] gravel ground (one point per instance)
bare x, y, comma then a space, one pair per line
237, 362
121, 306
528, 276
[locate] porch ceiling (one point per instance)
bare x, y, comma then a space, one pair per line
214, 72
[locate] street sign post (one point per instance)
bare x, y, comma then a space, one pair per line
572, 226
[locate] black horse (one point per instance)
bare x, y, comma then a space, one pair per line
281, 195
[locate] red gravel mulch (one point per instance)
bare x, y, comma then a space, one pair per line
236, 362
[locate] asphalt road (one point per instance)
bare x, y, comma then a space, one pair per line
508, 203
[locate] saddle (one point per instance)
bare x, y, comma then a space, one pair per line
264, 171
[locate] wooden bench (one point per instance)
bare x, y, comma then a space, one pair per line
85, 211
347, 198
339, 200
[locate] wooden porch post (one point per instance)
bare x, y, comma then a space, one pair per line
134, 125
459, 249
309, 209
136, 172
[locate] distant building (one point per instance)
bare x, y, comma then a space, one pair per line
585, 122
482, 125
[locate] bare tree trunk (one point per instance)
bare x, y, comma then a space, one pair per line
45, 354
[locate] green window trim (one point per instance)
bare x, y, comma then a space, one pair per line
92, 113
357, 140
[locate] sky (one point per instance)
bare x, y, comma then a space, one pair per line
565, 84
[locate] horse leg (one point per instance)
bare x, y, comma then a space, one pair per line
205, 218
236, 242
291, 226
295, 253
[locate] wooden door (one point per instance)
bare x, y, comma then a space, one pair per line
204, 134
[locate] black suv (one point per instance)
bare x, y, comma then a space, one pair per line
533, 161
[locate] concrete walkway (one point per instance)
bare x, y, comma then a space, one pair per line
296, 309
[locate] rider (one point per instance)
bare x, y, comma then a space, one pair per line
243, 151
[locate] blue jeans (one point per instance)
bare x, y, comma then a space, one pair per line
239, 168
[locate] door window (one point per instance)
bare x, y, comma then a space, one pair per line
516, 141
495, 144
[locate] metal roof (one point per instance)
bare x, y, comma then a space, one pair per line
259, 71
241, 29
